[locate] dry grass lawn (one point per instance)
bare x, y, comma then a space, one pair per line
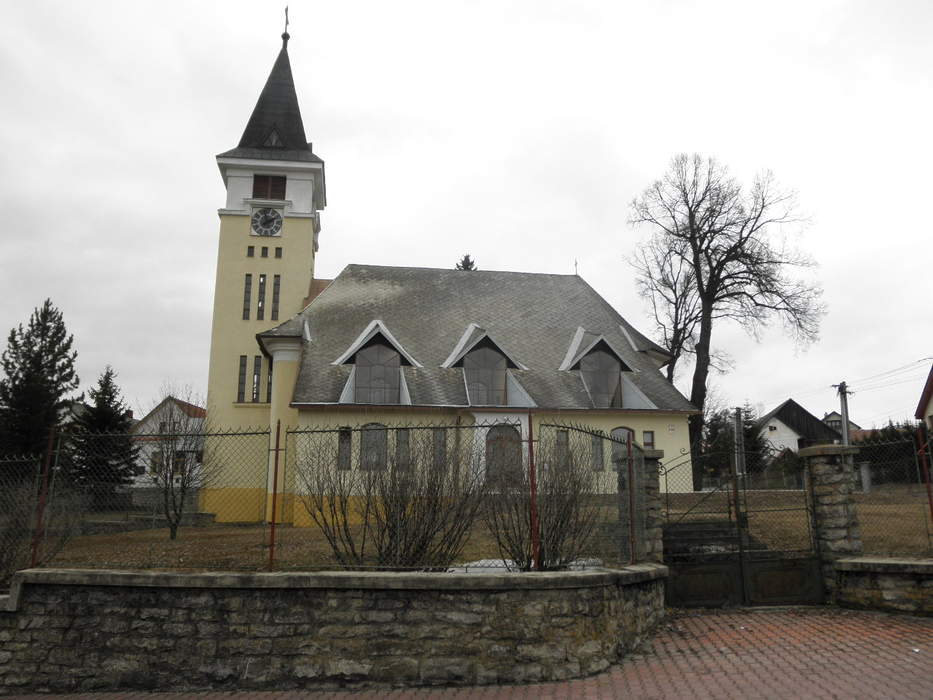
894, 520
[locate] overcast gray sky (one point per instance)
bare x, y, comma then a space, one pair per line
516, 131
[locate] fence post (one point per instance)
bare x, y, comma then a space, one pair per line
275, 490
631, 500
533, 485
40, 504
835, 526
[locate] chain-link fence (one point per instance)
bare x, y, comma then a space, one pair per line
893, 495
395, 497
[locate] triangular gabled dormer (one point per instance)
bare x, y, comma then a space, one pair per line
374, 329
474, 337
376, 375
583, 343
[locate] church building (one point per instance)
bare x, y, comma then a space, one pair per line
383, 346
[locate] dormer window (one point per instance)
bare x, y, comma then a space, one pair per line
602, 374
484, 368
269, 187
377, 375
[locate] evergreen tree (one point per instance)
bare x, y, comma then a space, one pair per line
103, 453
38, 374
466, 263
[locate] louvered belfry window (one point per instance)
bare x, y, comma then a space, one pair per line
269, 187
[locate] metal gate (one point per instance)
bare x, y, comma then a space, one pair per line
738, 540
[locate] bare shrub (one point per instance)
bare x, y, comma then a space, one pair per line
403, 497
567, 501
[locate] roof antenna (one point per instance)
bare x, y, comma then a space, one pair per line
575, 267
285, 34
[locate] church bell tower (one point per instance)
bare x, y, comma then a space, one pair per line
269, 230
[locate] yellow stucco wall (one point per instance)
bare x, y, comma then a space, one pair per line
231, 336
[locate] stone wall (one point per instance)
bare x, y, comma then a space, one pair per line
901, 585
654, 532
81, 630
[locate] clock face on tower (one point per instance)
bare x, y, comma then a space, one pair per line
266, 222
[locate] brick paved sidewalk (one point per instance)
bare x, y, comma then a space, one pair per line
797, 653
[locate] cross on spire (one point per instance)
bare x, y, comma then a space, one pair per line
285, 34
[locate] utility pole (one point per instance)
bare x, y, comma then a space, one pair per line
844, 409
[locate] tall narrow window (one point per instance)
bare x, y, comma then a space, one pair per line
402, 449
278, 252
269, 383
602, 373
344, 447
241, 381
250, 251
373, 446
261, 299
439, 440
247, 290
377, 375
276, 288
257, 375
484, 369
268, 187
503, 455
620, 439
264, 252
562, 450
596, 451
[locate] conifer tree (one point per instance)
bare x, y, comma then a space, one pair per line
38, 375
103, 453
466, 263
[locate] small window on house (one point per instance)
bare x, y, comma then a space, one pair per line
485, 372
278, 252
250, 251
772, 428
261, 299
241, 380
647, 439
373, 446
269, 187
264, 252
439, 440
162, 426
402, 448
344, 448
377, 375
257, 374
602, 374
247, 290
596, 452
276, 288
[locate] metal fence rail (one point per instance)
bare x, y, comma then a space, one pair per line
406, 496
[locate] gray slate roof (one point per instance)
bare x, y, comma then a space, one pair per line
533, 317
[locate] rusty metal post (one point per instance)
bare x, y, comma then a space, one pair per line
533, 484
40, 504
275, 491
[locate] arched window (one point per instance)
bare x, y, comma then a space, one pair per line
620, 437
377, 374
602, 374
503, 455
484, 369
374, 445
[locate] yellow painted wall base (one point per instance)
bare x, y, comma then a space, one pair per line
234, 505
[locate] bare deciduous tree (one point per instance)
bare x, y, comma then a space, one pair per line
726, 245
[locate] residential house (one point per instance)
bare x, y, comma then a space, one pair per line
790, 426
924, 410
834, 420
169, 433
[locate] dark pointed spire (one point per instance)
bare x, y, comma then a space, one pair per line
276, 119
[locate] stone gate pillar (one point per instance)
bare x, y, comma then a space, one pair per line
830, 485
654, 546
